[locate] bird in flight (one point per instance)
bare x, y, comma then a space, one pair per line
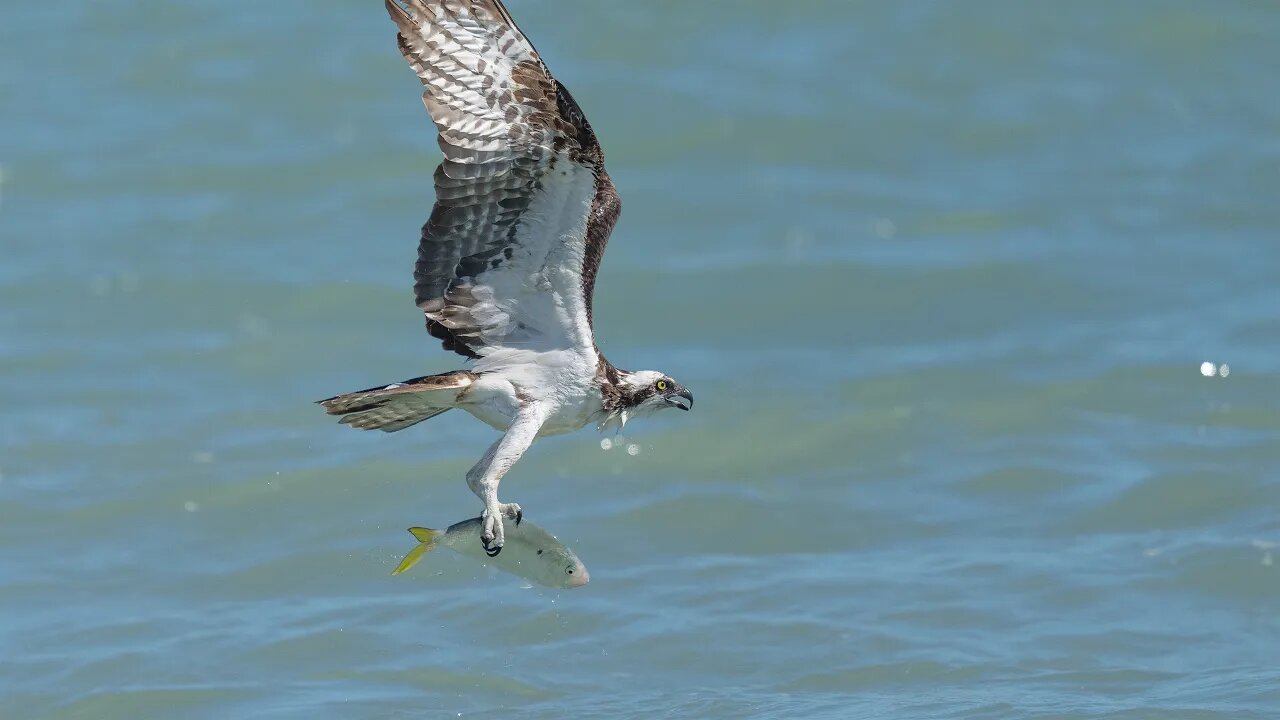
507, 261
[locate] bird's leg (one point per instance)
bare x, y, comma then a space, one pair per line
483, 479
485, 485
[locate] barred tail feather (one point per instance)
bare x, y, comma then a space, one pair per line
400, 405
388, 419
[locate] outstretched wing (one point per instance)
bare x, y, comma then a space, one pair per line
524, 207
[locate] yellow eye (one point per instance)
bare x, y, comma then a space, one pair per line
661, 385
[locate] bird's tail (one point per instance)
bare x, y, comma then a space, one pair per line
426, 542
399, 405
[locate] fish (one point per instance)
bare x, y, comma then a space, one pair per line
530, 552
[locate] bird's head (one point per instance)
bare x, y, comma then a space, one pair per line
648, 391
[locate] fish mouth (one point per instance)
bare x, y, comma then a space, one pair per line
682, 399
579, 578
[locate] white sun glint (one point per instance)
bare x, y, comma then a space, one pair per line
884, 228
1209, 369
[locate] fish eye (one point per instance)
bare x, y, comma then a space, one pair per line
661, 385
569, 569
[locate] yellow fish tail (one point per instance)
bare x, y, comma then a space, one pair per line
426, 541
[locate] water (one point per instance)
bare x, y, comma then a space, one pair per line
941, 276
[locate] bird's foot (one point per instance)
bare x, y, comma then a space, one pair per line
493, 537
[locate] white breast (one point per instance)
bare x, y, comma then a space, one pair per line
562, 381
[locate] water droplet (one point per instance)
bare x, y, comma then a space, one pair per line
884, 228
254, 326
190, 506
798, 240
633, 449
1224, 370
127, 282
1207, 369
100, 285
606, 444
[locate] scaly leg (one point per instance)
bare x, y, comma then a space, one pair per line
483, 479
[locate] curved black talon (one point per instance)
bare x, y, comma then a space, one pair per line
490, 551
519, 517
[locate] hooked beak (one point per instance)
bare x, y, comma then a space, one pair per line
682, 399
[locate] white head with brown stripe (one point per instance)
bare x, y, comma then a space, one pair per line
641, 393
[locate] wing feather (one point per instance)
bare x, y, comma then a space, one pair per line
523, 206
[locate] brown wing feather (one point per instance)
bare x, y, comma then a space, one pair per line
505, 126
605, 209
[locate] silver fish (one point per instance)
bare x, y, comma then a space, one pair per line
530, 552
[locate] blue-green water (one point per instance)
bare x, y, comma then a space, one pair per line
941, 275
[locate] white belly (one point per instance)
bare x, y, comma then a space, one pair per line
493, 401
497, 396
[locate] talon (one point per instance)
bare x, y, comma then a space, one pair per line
492, 537
519, 517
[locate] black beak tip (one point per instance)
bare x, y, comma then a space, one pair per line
686, 406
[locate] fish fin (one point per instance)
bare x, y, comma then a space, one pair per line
425, 535
426, 541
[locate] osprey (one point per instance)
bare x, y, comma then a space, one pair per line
507, 261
